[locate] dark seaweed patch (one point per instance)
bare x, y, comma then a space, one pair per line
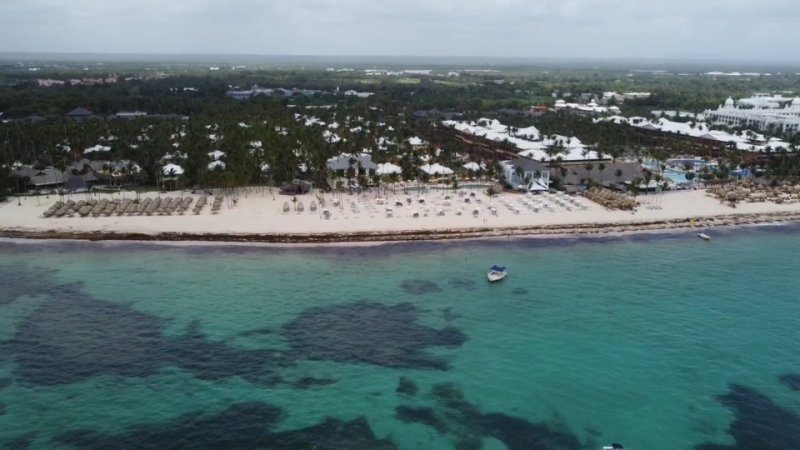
407, 387
332, 434
791, 380
368, 333
426, 416
593, 432
76, 337
758, 422
420, 287
239, 427
213, 360
518, 434
21, 443
310, 382
449, 315
15, 283
519, 291
256, 332
453, 414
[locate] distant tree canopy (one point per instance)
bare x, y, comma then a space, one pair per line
6, 182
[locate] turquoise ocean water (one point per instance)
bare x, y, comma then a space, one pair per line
660, 342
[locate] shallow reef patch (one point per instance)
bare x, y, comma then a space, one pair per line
406, 386
790, 380
453, 414
369, 333
758, 422
74, 337
420, 287
248, 425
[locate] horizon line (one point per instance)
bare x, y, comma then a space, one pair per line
595, 59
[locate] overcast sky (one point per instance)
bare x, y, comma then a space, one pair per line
683, 29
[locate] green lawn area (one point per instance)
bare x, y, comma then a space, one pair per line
407, 80
450, 83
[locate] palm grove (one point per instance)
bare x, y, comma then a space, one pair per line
269, 139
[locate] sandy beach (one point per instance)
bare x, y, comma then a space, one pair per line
259, 217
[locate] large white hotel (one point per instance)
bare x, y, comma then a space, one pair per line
762, 111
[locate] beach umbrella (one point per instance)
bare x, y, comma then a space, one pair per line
474, 167
438, 169
388, 169
172, 170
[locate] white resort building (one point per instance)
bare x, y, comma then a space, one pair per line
762, 111
588, 109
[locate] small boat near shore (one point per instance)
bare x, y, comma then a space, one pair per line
704, 236
497, 273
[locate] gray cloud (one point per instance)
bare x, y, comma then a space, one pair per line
719, 29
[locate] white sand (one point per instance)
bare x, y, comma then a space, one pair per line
259, 213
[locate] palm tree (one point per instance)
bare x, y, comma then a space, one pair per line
601, 167
635, 187
520, 173
491, 192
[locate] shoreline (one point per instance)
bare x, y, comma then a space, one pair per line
379, 237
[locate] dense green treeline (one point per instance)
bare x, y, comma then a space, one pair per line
271, 131
166, 93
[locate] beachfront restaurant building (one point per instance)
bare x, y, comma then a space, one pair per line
51, 179
524, 174
578, 177
351, 166
39, 179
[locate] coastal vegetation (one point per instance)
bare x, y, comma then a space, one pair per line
306, 116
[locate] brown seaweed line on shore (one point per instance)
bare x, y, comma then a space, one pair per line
410, 235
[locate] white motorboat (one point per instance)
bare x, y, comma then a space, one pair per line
614, 446
704, 236
496, 273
